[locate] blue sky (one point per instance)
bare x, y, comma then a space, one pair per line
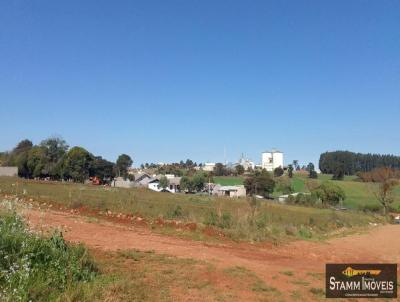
170, 80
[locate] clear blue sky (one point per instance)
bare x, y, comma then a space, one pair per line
170, 80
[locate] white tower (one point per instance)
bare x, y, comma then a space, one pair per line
270, 160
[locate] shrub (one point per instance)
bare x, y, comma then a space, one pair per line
211, 219
278, 172
35, 268
177, 212
329, 193
224, 221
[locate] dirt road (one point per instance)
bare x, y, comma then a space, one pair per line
303, 259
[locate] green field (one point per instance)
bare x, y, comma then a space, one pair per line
359, 195
228, 180
235, 217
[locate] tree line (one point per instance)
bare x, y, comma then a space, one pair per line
54, 159
342, 163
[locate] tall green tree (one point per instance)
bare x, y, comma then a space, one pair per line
19, 157
198, 181
55, 150
78, 164
278, 172
290, 171
102, 168
260, 183
220, 170
186, 184
164, 182
239, 169
124, 162
36, 161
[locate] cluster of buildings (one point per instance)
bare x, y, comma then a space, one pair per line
270, 160
144, 180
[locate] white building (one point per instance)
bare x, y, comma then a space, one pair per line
209, 167
230, 191
173, 185
270, 160
246, 163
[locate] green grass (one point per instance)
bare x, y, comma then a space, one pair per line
298, 184
35, 268
228, 180
359, 195
235, 217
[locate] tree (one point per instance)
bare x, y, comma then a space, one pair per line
290, 171
356, 162
387, 180
77, 164
124, 162
311, 171
260, 183
22, 146
284, 185
329, 193
102, 168
278, 172
239, 169
198, 181
186, 184
296, 164
310, 167
189, 163
220, 170
19, 157
164, 182
338, 172
36, 161
55, 149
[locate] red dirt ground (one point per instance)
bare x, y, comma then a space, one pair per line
305, 260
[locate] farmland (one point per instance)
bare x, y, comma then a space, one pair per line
359, 195
146, 251
238, 219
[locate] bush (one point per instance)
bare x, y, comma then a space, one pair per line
177, 212
211, 219
370, 208
278, 172
224, 221
35, 268
329, 193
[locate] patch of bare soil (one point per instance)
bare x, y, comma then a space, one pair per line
293, 269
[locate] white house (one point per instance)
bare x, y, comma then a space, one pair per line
270, 160
173, 187
230, 191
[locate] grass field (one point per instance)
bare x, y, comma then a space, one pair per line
235, 217
359, 195
228, 180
